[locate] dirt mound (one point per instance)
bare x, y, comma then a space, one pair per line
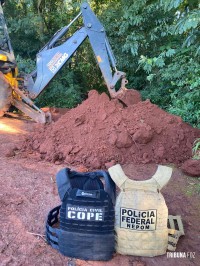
191, 167
101, 130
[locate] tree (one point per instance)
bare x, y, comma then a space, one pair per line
159, 51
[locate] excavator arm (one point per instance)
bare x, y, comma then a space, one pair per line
102, 50
52, 57
50, 61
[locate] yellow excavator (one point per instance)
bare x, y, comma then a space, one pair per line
50, 59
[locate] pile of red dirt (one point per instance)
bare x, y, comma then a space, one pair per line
101, 130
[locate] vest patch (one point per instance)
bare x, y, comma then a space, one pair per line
84, 213
88, 194
138, 219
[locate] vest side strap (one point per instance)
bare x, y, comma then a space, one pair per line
117, 175
162, 175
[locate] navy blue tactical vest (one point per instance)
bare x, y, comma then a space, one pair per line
83, 226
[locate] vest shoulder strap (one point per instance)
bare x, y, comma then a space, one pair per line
117, 175
159, 179
67, 179
162, 176
63, 182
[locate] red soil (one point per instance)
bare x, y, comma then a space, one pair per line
101, 130
28, 192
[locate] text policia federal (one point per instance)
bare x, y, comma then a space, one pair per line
138, 219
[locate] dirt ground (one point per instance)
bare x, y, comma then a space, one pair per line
28, 192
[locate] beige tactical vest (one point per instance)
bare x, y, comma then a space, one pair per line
141, 213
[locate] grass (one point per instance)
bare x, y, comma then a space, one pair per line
196, 149
193, 187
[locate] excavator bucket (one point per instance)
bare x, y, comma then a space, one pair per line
5, 94
127, 96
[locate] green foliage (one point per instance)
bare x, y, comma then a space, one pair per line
64, 91
154, 36
25, 65
170, 4
193, 187
178, 89
196, 149
187, 21
23, 27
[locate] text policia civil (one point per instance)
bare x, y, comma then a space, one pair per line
85, 213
